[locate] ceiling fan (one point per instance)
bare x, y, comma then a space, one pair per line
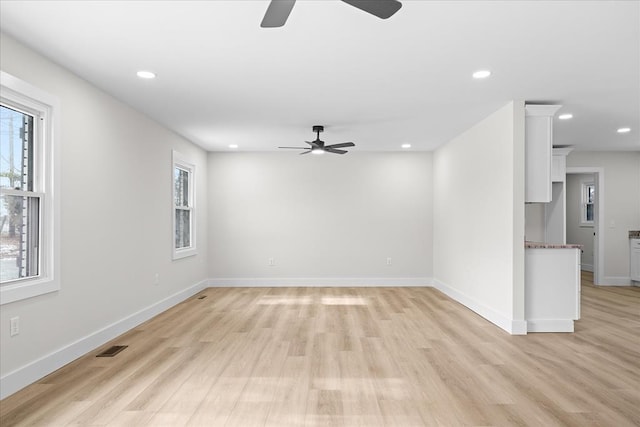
318, 147
279, 10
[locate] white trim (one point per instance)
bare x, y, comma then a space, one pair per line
22, 193
600, 230
512, 326
615, 281
518, 327
21, 92
541, 110
562, 151
334, 282
33, 371
550, 325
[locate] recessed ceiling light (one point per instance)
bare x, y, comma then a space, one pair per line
146, 74
624, 130
565, 116
481, 74
406, 145
234, 146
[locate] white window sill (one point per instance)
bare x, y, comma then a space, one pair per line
184, 253
24, 289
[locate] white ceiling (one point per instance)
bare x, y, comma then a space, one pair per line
379, 83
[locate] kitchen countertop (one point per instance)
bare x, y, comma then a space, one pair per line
541, 245
634, 234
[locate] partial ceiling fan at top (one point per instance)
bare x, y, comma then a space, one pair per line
279, 10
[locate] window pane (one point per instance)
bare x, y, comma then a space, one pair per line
590, 193
183, 228
590, 212
19, 236
181, 182
16, 149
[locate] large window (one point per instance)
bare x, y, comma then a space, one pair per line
19, 203
28, 211
184, 241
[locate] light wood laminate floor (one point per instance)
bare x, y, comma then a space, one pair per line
349, 357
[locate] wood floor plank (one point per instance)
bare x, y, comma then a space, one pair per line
349, 357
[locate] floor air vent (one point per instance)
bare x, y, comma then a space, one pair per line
202, 297
112, 351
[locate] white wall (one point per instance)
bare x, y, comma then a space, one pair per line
545, 222
535, 226
320, 218
115, 223
479, 218
581, 235
621, 206
555, 215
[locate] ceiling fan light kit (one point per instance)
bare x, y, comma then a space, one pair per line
318, 147
278, 10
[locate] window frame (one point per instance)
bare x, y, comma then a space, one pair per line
584, 202
182, 162
20, 95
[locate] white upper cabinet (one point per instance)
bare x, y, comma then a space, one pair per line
559, 163
538, 152
558, 168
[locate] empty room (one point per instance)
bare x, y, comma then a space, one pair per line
309, 213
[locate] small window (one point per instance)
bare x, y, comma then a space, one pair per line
587, 208
184, 243
29, 213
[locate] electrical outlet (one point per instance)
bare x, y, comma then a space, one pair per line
272, 262
156, 279
14, 326
389, 261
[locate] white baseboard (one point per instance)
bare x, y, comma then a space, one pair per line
514, 327
586, 267
615, 281
518, 327
550, 325
333, 282
32, 372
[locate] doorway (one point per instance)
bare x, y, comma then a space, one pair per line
585, 211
